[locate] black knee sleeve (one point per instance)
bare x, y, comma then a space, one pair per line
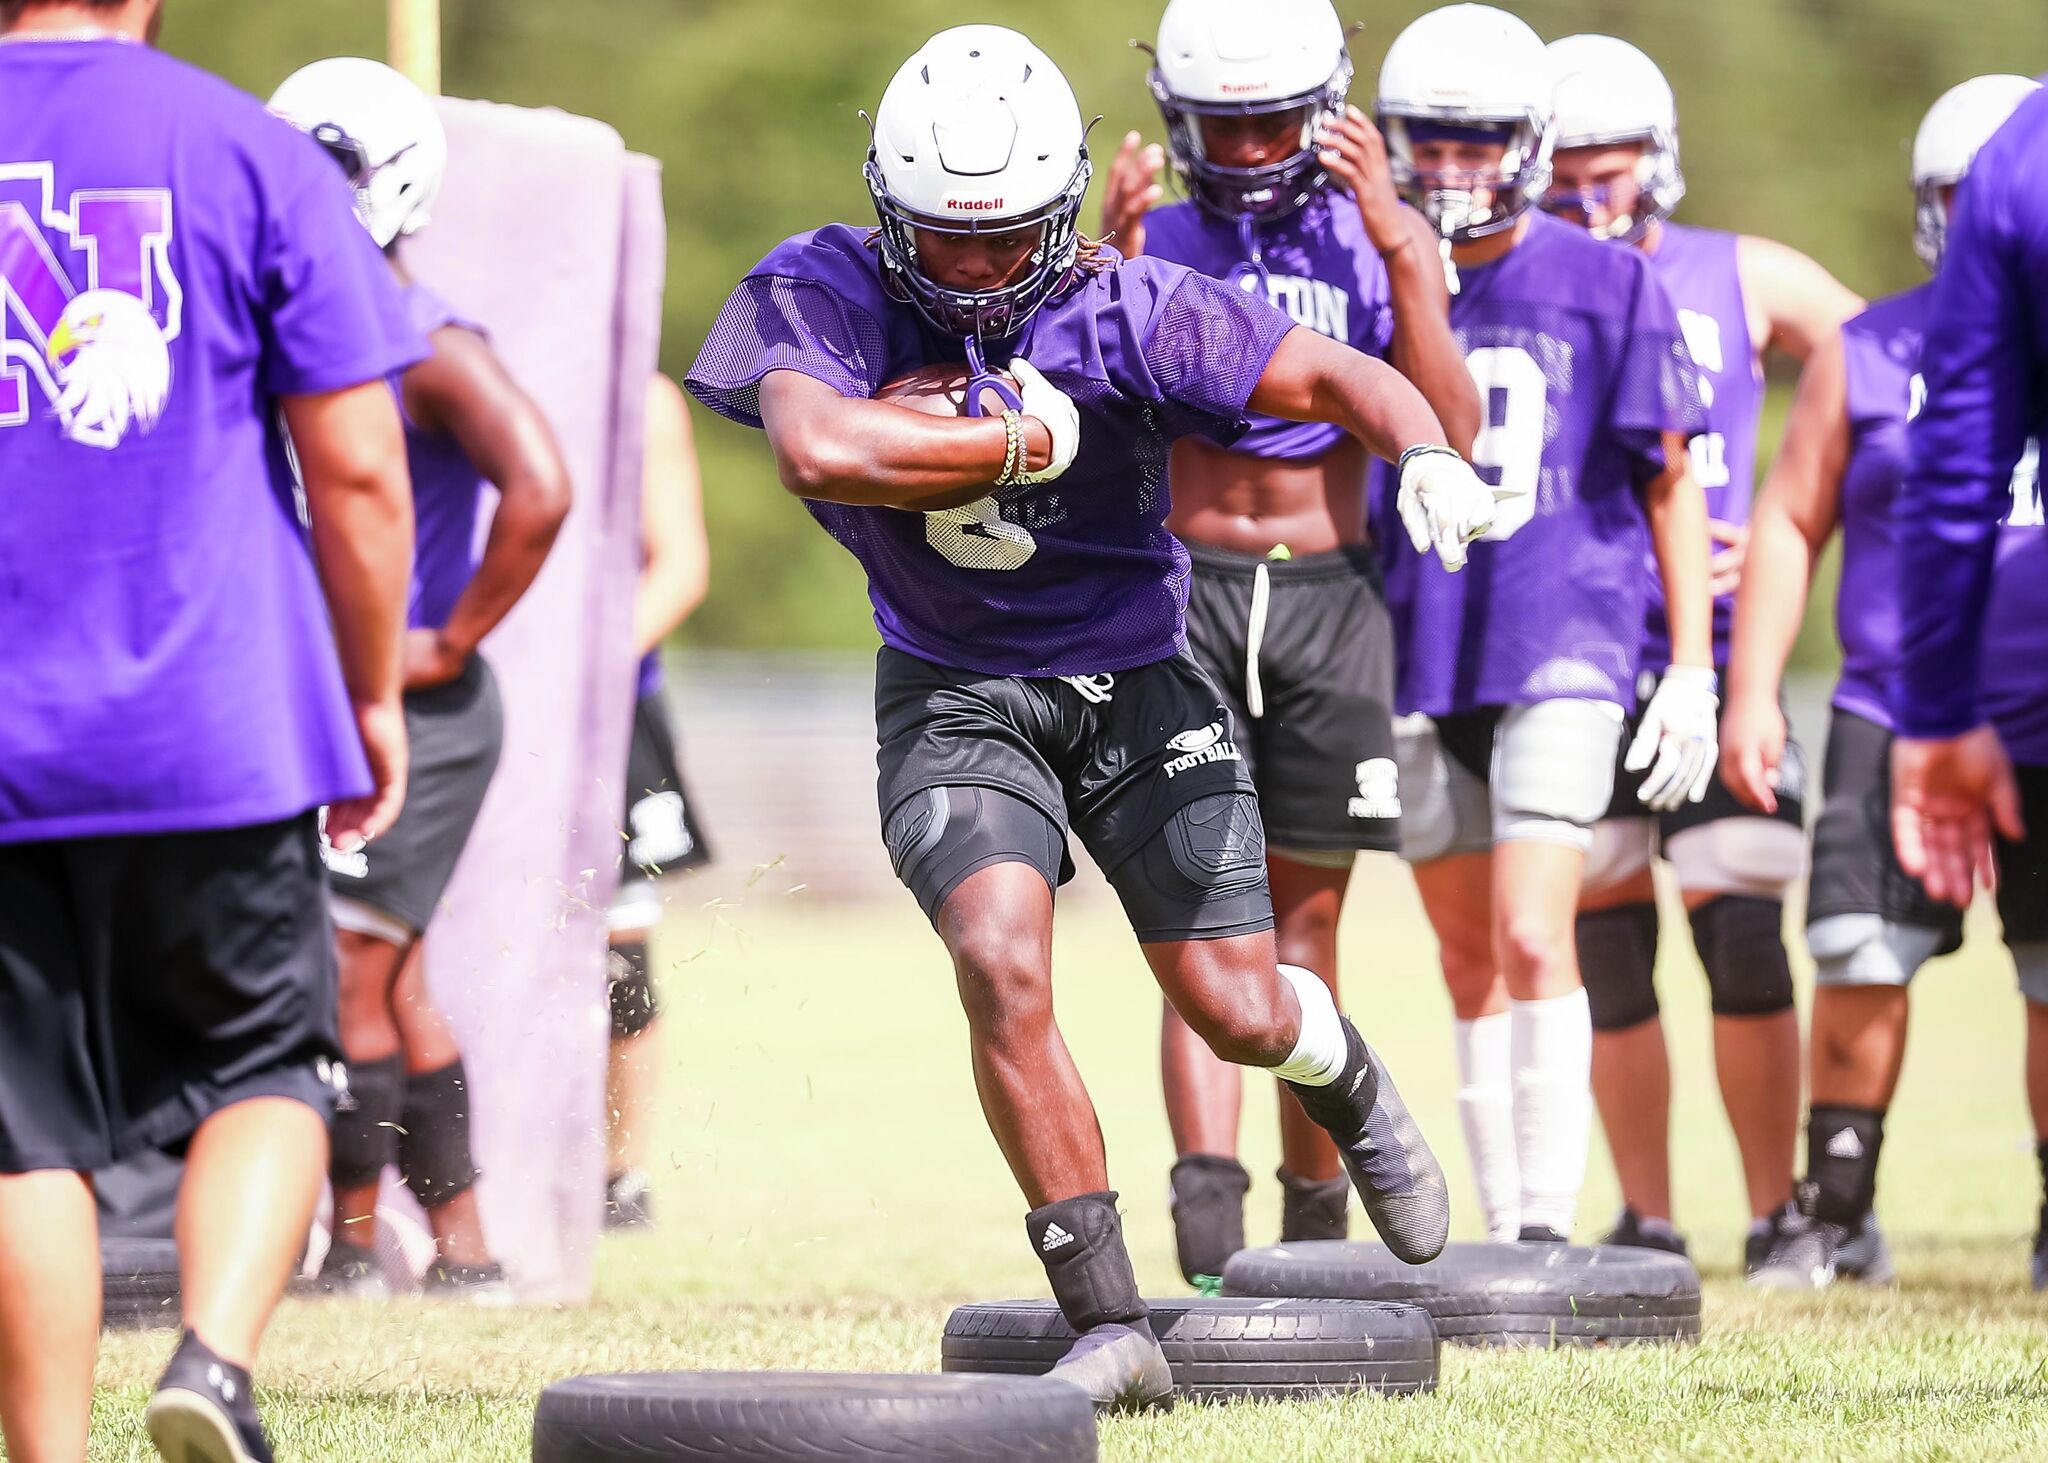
1741, 940
1842, 1145
1080, 1241
1206, 1192
366, 1120
1202, 876
634, 1005
941, 837
1618, 963
433, 1148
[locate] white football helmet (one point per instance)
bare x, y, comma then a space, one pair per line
1227, 58
1609, 92
1468, 69
979, 134
383, 130
1955, 127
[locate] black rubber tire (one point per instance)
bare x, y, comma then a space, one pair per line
812, 1417
1496, 1295
1220, 1349
139, 1283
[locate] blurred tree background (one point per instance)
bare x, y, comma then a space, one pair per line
1797, 116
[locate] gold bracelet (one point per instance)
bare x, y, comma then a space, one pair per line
1013, 447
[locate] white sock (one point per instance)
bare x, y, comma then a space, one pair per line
1552, 1057
1486, 1109
1322, 1049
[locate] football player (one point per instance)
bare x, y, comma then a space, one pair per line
468, 427
1034, 675
1616, 173
1289, 197
1517, 676
1870, 925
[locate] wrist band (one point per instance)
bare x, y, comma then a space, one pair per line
1421, 449
1013, 447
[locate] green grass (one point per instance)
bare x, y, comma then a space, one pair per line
828, 1192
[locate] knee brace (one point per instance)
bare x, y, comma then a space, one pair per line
366, 1120
634, 1004
1761, 857
433, 1149
2030, 959
1868, 949
1618, 963
1622, 850
1741, 940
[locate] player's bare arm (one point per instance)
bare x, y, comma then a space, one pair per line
1798, 509
676, 569
1312, 378
1677, 511
1795, 305
463, 390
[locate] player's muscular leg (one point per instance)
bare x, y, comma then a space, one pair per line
1858, 1045
1230, 993
1307, 900
49, 1326
430, 1047
997, 926
1631, 1065
1204, 1093
425, 1035
1457, 894
2037, 1066
371, 1044
368, 972
1535, 902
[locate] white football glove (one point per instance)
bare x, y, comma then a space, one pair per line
1443, 503
1056, 409
1680, 734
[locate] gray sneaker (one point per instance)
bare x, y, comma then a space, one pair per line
1865, 1258
1120, 1367
1802, 1255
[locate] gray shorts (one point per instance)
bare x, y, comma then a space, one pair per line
392, 886
1542, 773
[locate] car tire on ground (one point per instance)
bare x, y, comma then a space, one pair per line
1225, 1348
1496, 1295
810, 1417
139, 1283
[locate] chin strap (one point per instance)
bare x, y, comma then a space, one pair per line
1254, 264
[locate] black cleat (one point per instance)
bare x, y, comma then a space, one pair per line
349, 1272
1206, 1195
203, 1411
1541, 1234
1385, 1153
1313, 1209
1802, 1254
1864, 1257
479, 1285
1120, 1367
628, 1201
1631, 1229
1756, 1246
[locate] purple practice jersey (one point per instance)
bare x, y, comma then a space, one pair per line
1074, 577
1317, 266
1698, 270
650, 674
1581, 370
172, 259
447, 494
1986, 368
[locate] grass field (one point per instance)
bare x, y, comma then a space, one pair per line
829, 1192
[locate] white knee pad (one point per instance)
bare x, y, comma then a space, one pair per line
1868, 949
2030, 958
1444, 808
1622, 850
1761, 857
359, 918
1553, 770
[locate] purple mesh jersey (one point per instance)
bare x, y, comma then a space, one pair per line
1317, 266
1073, 577
1881, 359
1986, 368
650, 679
1697, 269
172, 258
1581, 369
447, 494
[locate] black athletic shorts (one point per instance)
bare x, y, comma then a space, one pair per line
147, 982
1855, 864
456, 732
1121, 759
2023, 866
1314, 649
659, 821
1719, 803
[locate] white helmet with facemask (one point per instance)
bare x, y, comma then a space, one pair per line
1609, 93
1470, 72
1950, 136
383, 130
979, 133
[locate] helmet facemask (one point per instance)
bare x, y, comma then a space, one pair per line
1659, 186
1930, 219
1449, 198
1270, 190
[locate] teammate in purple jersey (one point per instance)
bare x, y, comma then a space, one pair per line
1034, 672
1870, 925
1616, 173
469, 428
1986, 367
1289, 198
1516, 676
180, 279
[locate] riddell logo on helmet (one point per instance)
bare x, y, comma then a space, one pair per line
1240, 88
974, 205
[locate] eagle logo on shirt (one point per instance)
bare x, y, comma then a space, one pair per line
112, 367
